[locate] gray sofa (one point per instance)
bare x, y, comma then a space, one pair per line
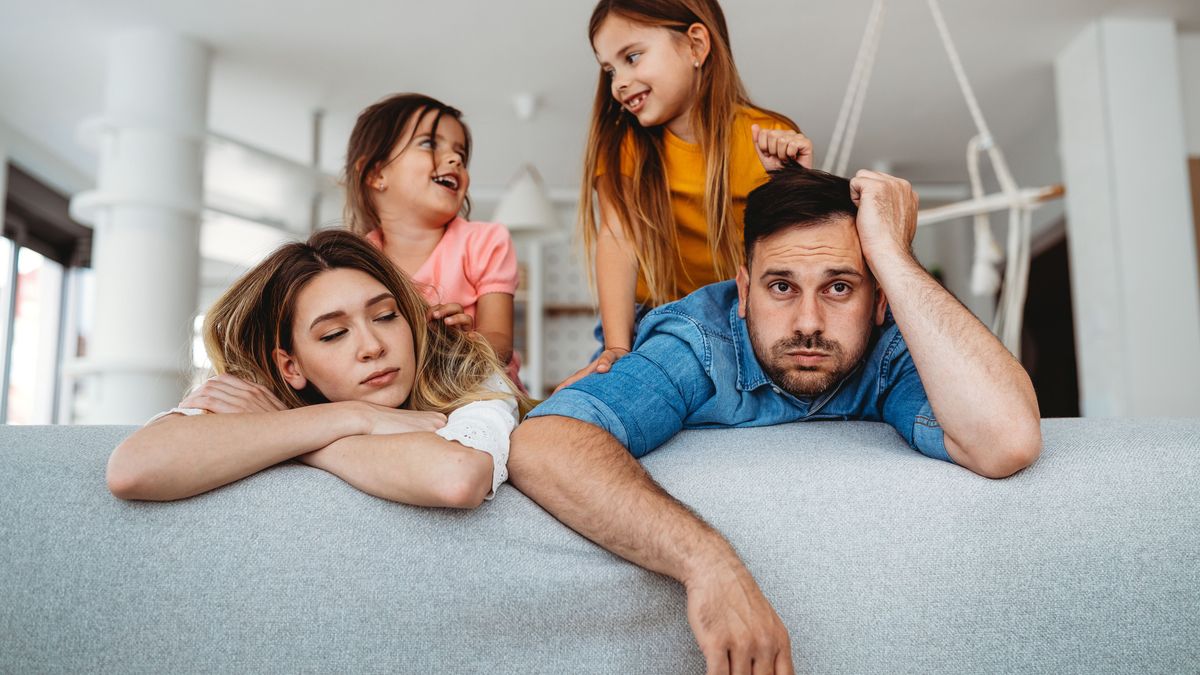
878, 560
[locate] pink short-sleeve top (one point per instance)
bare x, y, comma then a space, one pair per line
472, 259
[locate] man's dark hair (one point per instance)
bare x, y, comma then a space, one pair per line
795, 197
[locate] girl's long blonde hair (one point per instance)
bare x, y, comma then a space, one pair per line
253, 317
642, 200
376, 132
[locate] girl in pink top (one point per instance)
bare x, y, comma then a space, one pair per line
406, 191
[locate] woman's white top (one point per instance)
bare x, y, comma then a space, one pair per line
486, 426
482, 425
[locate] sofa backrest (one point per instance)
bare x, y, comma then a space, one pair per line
877, 558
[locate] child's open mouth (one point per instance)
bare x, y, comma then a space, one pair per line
634, 103
448, 181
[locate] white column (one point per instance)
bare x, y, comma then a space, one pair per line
535, 309
146, 214
1129, 221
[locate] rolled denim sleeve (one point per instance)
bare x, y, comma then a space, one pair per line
644, 399
906, 406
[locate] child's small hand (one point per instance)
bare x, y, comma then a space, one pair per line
451, 314
602, 364
776, 147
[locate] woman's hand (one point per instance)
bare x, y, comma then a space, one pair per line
451, 314
776, 147
226, 393
602, 364
380, 420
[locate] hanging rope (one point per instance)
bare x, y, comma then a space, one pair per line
860, 75
985, 278
861, 97
1010, 308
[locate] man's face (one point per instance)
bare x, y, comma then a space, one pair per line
810, 304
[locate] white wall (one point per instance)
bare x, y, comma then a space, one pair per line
1132, 248
18, 148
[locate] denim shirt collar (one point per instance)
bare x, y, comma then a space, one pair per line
750, 374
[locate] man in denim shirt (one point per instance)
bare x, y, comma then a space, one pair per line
805, 333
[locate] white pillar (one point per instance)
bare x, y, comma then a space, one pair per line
535, 309
1132, 249
146, 214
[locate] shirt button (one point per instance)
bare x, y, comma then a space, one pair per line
776, 390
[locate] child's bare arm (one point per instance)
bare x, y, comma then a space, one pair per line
494, 321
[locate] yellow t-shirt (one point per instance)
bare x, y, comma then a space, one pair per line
684, 166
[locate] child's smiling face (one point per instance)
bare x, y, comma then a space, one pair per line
651, 70
426, 174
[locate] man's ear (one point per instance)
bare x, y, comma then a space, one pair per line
700, 42
880, 305
743, 286
289, 368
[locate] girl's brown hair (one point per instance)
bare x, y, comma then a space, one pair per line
642, 200
376, 132
253, 317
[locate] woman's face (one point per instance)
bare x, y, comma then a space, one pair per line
425, 174
350, 341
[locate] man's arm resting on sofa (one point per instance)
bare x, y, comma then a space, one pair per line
584, 477
981, 396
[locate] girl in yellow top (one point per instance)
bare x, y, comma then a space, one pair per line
672, 113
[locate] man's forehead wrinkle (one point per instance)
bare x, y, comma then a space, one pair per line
787, 253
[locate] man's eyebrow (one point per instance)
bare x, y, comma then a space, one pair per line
843, 272
339, 313
781, 272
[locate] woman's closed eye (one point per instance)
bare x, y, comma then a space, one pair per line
333, 335
387, 316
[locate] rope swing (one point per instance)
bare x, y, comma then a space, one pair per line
985, 278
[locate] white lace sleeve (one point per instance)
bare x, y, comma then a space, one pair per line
182, 411
486, 426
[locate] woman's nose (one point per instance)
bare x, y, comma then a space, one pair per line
371, 348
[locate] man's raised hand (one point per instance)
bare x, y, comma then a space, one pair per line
887, 214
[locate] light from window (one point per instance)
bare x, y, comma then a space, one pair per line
32, 377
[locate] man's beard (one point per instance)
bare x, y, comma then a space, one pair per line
799, 380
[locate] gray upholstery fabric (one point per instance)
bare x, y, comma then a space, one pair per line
878, 560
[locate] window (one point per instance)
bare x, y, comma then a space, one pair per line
43, 258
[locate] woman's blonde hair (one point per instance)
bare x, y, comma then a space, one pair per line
376, 132
642, 200
253, 317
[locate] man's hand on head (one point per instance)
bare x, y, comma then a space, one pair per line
887, 214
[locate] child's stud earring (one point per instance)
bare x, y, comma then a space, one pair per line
695, 64
381, 187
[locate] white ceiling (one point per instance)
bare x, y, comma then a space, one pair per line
277, 61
